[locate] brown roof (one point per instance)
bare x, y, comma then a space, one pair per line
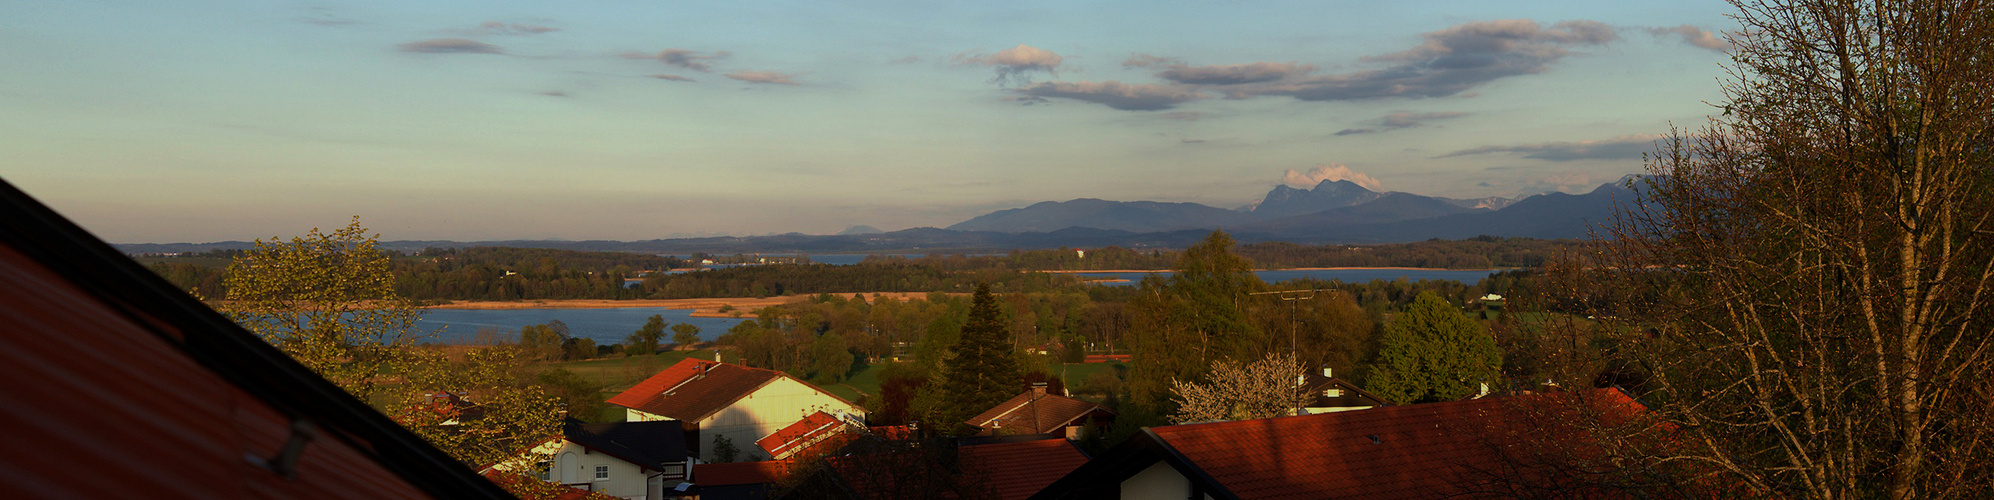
1017, 470
1034, 413
818, 430
739, 473
694, 389
122, 385
1389, 452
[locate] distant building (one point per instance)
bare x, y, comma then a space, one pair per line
1037, 412
1327, 394
739, 403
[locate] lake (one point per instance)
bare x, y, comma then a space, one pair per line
606, 326
1360, 275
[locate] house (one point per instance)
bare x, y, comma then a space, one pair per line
630, 460
815, 435
727, 402
1434, 450
1016, 470
123, 385
1326, 394
1037, 412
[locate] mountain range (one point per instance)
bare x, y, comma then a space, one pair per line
1331, 212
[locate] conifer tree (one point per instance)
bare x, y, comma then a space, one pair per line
1432, 352
982, 370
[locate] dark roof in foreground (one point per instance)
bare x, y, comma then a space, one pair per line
650, 444
1395, 452
124, 385
1017, 470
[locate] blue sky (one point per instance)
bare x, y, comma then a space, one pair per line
204, 121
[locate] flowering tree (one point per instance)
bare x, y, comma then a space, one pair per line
1266, 388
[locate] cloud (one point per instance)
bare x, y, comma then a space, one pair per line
1355, 131
674, 78
1016, 64
1618, 148
554, 93
769, 77
1118, 95
1182, 116
1408, 120
1449, 62
688, 59
325, 17
1329, 172
1146, 60
499, 28
1694, 36
1234, 74
451, 46
1191, 141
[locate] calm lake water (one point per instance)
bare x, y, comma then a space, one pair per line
606, 326
1345, 275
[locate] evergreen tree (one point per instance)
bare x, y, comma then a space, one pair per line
982, 370
1432, 352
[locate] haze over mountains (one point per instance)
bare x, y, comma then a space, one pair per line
1331, 212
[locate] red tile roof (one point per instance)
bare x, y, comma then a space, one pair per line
694, 389
1031, 413
739, 473
1017, 470
818, 430
1380, 453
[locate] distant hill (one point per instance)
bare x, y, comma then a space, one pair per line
1285, 201
860, 229
1131, 216
1389, 218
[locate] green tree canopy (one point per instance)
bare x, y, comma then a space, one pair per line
685, 335
1432, 352
644, 341
1197, 316
982, 369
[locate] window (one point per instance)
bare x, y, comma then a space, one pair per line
601, 472
1334, 393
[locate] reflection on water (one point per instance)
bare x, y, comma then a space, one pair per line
606, 326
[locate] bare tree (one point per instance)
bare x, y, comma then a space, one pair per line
1807, 279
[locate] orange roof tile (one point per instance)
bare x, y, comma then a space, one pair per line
1380, 453
816, 429
1017, 470
694, 389
1034, 414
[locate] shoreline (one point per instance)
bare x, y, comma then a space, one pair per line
1071, 271
701, 308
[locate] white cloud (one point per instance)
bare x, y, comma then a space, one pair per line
1329, 172
1015, 65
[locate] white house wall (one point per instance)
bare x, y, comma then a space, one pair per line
1158, 481
575, 464
776, 405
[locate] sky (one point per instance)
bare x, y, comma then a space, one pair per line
196, 121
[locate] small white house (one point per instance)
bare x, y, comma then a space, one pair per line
734, 402
629, 460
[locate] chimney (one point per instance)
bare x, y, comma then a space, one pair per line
1038, 389
1328, 372
716, 356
